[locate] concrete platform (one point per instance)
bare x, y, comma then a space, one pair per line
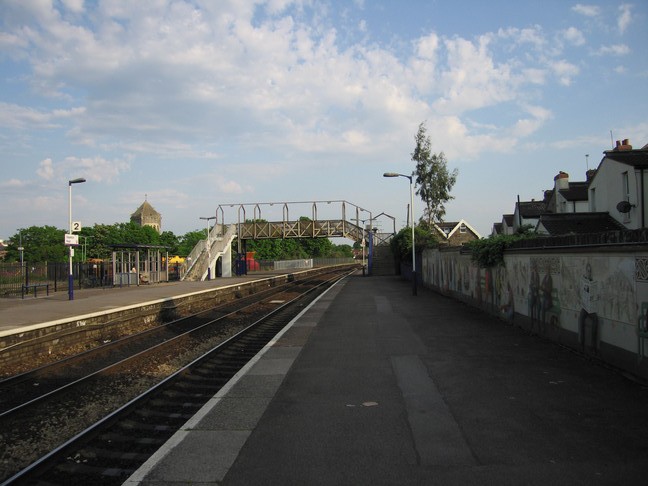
371, 385
17, 314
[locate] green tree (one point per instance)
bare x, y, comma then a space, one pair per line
189, 240
401, 243
171, 241
433, 181
40, 243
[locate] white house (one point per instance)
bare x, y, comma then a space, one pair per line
567, 197
620, 185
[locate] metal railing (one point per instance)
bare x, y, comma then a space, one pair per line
16, 278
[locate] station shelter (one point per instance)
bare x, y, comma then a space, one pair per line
139, 264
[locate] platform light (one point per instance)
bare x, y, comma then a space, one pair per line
411, 218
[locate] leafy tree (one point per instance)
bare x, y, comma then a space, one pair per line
171, 241
40, 243
189, 240
401, 243
433, 181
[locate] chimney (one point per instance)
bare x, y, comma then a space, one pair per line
623, 145
561, 181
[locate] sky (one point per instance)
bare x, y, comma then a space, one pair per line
194, 105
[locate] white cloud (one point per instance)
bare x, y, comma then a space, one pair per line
95, 169
46, 169
13, 184
574, 36
564, 71
75, 6
625, 17
473, 79
524, 128
615, 50
586, 10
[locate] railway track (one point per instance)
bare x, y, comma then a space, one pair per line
112, 419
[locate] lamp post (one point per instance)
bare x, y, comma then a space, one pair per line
70, 275
207, 218
411, 218
21, 249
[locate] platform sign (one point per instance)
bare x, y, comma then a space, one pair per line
71, 240
76, 226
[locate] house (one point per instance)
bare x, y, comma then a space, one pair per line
505, 227
527, 213
146, 215
567, 197
559, 224
620, 185
456, 233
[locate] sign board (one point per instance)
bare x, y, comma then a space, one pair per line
76, 226
71, 240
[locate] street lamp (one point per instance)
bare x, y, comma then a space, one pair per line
207, 218
411, 218
70, 276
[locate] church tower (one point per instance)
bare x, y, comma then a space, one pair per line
146, 215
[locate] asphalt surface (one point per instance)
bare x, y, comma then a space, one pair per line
372, 385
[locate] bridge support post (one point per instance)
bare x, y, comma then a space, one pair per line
226, 260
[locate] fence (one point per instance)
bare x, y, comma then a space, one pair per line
275, 265
14, 277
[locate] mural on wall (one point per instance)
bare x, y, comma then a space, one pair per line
543, 296
593, 300
595, 296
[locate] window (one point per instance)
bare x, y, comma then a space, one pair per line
462, 228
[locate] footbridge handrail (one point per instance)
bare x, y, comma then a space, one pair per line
340, 225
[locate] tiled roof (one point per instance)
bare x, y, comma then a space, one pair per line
578, 223
577, 191
508, 219
636, 158
532, 209
144, 209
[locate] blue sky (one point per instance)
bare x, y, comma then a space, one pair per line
197, 103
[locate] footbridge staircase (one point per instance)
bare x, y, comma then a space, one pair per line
342, 219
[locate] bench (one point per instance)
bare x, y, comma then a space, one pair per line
26, 288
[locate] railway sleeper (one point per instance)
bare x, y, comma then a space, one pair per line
116, 439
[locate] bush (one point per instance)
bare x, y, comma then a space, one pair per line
489, 252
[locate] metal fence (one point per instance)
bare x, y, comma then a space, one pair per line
17, 279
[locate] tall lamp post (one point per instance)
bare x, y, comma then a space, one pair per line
207, 218
70, 275
411, 218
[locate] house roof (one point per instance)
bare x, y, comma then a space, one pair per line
636, 158
508, 219
497, 228
578, 223
531, 209
577, 191
447, 229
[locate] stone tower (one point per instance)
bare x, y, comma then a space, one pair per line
146, 215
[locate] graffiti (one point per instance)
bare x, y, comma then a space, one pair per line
595, 299
641, 269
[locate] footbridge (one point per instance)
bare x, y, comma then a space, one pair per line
254, 221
